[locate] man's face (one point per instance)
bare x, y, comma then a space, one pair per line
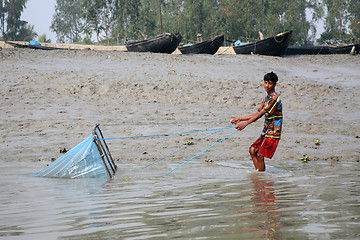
269, 86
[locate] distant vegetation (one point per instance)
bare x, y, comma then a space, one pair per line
112, 21
11, 27
44, 39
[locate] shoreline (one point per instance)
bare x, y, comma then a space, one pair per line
222, 50
52, 100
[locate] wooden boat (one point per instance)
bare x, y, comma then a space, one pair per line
346, 49
206, 47
323, 49
307, 50
45, 47
163, 43
20, 45
273, 46
17, 45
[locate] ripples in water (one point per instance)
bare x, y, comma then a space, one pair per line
223, 200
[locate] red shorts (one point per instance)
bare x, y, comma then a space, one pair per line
266, 146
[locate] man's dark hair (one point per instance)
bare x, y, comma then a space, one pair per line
271, 77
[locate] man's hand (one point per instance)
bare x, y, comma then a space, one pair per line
241, 126
235, 120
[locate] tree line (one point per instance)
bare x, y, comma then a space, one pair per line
11, 27
113, 21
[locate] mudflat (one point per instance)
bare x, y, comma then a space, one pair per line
50, 100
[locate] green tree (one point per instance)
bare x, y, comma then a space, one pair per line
26, 33
198, 17
170, 16
148, 23
342, 21
294, 18
354, 19
2, 17
126, 18
243, 19
67, 22
86, 40
12, 27
44, 39
120, 19
93, 10
270, 17
337, 18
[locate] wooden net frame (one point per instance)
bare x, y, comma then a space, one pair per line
104, 151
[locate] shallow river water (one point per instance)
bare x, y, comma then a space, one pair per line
219, 200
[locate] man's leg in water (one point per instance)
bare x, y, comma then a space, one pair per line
258, 160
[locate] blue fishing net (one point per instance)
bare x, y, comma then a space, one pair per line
89, 159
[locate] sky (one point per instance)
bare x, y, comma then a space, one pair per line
39, 14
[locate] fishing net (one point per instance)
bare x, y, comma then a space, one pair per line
89, 159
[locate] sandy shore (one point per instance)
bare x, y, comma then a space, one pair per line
221, 51
51, 100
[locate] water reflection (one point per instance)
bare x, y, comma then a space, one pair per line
265, 207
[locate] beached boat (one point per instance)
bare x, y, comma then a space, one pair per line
345, 49
45, 47
273, 46
33, 46
17, 45
163, 43
323, 49
206, 47
307, 50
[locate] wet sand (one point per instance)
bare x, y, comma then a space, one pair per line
51, 100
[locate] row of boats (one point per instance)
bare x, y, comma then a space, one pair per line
277, 45
274, 46
168, 42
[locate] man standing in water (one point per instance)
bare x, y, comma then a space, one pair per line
271, 106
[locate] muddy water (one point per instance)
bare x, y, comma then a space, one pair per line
223, 200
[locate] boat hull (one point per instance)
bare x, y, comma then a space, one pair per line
272, 46
321, 50
19, 45
210, 46
345, 49
312, 50
163, 43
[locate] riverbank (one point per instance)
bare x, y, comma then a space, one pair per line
222, 50
52, 99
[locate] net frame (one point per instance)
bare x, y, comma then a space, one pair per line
104, 151
91, 158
